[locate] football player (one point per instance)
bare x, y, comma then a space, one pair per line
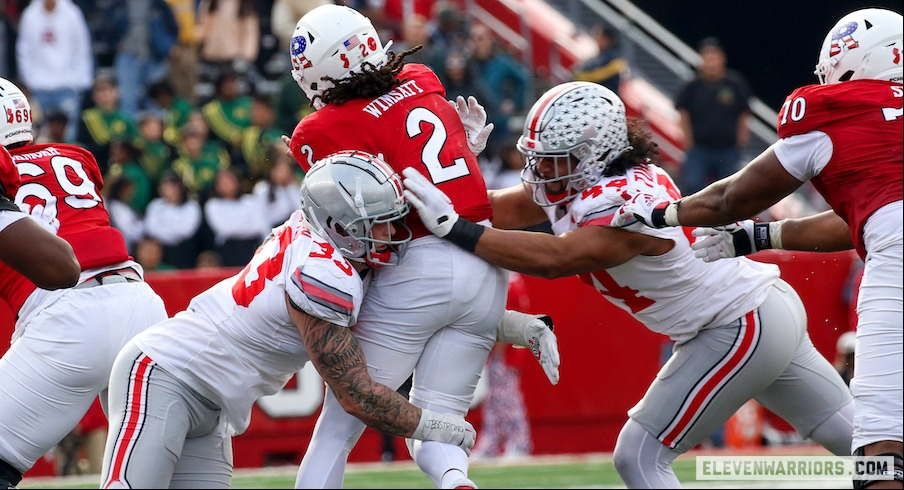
180, 389
439, 312
65, 340
844, 136
740, 332
32, 248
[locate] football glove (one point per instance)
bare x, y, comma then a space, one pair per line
433, 205
734, 240
43, 215
474, 119
446, 428
649, 209
534, 332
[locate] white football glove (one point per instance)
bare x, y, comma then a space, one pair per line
446, 428
474, 119
649, 209
534, 332
44, 215
723, 242
433, 205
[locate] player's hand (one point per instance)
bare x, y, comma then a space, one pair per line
474, 119
646, 208
433, 205
288, 141
446, 428
721, 242
534, 332
43, 214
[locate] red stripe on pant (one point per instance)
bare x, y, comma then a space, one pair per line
128, 433
727, 370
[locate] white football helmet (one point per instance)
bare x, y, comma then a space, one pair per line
864, 44
332, 41
346, 196
15, 122
582, 123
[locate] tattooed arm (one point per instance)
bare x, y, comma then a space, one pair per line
338, 358
335, 353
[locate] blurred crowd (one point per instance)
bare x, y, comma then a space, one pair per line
183, 103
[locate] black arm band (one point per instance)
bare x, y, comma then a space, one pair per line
465, 234
761, 238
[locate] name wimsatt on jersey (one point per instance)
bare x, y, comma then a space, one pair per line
381, 104
46, 152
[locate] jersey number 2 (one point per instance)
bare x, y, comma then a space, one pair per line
439, 173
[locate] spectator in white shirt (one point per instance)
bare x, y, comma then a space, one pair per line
278, 195
122, 216
235, 218
173, 219
53, 53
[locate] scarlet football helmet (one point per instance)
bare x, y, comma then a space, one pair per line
864, 44
582, 123
15, 122
332, 41
346, 196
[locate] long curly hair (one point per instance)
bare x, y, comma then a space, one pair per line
368, 83
644, 149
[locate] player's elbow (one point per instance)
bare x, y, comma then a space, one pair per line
353, 406
61, 273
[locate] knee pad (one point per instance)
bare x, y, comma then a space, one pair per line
896, 471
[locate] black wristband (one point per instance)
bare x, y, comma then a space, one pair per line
465, 234
741, 243
657, 216
761, 239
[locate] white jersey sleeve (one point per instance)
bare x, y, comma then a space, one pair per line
326, 285
804, 155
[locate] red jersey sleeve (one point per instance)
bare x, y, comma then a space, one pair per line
9, 176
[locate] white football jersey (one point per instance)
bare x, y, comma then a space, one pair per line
236, 341
675, 293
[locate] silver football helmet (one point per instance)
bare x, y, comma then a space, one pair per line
347, 197
578, 127
332, 41
15, 122
864, 44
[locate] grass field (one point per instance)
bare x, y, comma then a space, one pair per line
572, 471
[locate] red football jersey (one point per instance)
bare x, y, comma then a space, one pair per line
71, 175
411, 126
9, 177
863, 118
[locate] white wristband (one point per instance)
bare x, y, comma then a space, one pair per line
775, 233
671, 214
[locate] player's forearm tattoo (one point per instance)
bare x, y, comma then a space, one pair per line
336, 354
